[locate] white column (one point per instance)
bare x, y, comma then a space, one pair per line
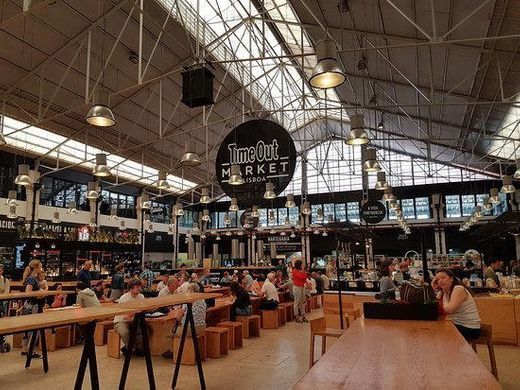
242, 250
198, 251
191, 249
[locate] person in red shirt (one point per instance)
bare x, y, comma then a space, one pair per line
299, 278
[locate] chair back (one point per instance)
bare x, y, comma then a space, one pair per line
486, 331
318, 324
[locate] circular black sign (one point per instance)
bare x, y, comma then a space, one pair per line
247, 220
264, 151
373, 211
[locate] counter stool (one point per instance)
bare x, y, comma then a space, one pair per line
319, 328
281, 315
217, 342
250, 325
289, 310
113, 344
355, 313
188, 354
235, 333
269, 319
486, 337
101, 332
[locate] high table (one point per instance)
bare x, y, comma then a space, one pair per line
394, 354
51, 319
141, 307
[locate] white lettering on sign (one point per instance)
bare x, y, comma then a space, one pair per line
261, 152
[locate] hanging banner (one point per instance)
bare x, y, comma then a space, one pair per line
264, 151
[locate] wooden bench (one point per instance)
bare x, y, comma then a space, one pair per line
188, 355
250, 325
217, 341
235, 333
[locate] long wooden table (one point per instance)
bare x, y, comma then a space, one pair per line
52, 319
399, 355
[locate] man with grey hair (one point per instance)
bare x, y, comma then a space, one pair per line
270, 293
247, 281
171, 287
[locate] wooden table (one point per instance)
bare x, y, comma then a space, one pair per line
52, 319
220, 312
40, 295
221, 290
141, 307
393, 354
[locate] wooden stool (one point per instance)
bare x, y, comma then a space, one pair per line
113, 344
281, 315
217, 342
63, 337
269, 319
188, 354
486, 337
101, 331
250, 325
355, 313
289, 310
50, 338
235, 334
319, 328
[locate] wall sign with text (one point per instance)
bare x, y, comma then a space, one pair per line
373, 212
264, 151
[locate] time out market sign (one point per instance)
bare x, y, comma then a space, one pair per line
264, 151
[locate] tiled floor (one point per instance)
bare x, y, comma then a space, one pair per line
274, 361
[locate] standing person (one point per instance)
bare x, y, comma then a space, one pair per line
117, 283
457, 302
242, 305
491, 272
59, 300
147, 276
84, 273
122, 323
31, 284
289, 270
299, 278
270, 293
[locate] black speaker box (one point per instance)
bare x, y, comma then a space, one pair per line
197, 87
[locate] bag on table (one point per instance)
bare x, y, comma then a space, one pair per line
417, 293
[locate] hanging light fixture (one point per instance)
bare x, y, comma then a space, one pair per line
269, 191
272, 218
218, 237
205, 215
196, 228
149, 229
179, 209
507, 186
122, 225
254, 212
327, 73
290, 201
101, 168
23, 178
381, 183
272, 231
282, 233
146, 218
292, 235
493, 196
190, 157
204, 197
319, 214
316, 231
162, 183
72, 207
56, 217
240, 233
478, 211
11, 198
370, 164
100, 114
381, 125
113, 214
388, 196
393, 205
92, 223
487, 206
92, 190
145, 201
227, 219
228, 233
12, 212
235, 178
253, 237
234, 205
357, 134
324, 234
516, 175
306, 208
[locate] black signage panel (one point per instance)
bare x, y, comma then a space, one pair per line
373, 212
247, 221
264, 151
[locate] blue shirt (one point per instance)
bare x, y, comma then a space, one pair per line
84, 276
149, 276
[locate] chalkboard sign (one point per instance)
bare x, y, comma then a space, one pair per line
373, 212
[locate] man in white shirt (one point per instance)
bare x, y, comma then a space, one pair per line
171, 287
248, 281
122, 323
270, 293
164, 281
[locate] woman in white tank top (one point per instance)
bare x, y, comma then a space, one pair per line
458, 304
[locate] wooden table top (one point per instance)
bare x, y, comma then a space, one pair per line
9, 325
150, 304
32, 294
394, 354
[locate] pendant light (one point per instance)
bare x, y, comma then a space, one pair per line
227, 219
240, 233
319, 214
218, 237
393, 204
357, 134
56, 217
100, 114
204, 198
290, 201
516, 175
487, 206
72, 208
179, 209
235, 178
306, 208
150, 229
269, 191
272, 217
254, 212
190, 157
327, 73
205, 215
507, 186
228, 233
253, 237
113, 214
388, 196
92, 190
23, 178
101, 169
146, 218
122, 225
234, 205
12, 212
170, 231
11, 198
478, 211
493, 196
381, 183
324, 234
282, 233
370, 164
145, 202
92, 223
381, 124
292, 235
162, 183
272, 231
316, 231
196, 228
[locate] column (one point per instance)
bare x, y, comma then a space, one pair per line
191, 249
259, 250
198, 251
272, 251
517, 247
242, 250
214, 256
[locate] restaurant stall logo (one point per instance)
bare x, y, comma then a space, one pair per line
373, 211
264, 151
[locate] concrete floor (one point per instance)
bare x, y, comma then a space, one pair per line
274, 361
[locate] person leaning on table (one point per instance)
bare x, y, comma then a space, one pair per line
122, 323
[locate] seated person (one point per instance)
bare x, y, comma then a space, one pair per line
183, 284
59, 300
242, 305
278, 281
122, 323
86, 297
171, 287
269, 293
247, 280
195, 279
226, 279
205, 279
198, 308
163, 282
256, 287
386, 284
100, 292
457, 302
